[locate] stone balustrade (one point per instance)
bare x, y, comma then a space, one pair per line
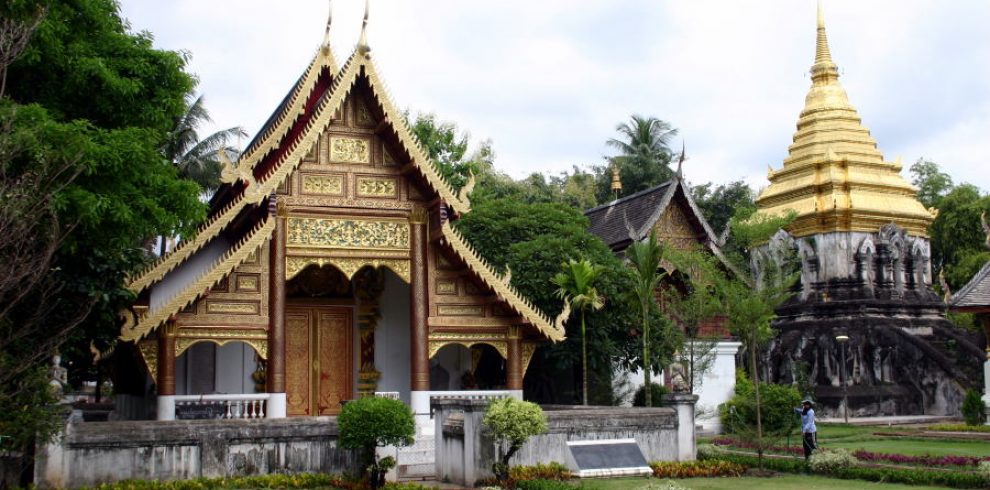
221, 406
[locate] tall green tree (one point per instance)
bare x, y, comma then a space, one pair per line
575, 285
695, 307
645, 257
90, 105
448, 147
198, 159
957, 237
644, 156
720, 203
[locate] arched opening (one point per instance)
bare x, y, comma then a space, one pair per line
210, 367
458, 367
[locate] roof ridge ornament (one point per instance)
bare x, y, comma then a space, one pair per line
680, 162
326, 35
362, 46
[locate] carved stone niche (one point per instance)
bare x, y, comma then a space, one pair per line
866, 265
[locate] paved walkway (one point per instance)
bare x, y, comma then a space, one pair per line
891, 420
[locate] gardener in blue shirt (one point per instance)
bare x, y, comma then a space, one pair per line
808, 427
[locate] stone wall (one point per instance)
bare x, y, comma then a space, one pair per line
465, 451
98, 452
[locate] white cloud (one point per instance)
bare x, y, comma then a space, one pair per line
548, 81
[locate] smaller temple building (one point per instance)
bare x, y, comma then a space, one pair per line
670, 211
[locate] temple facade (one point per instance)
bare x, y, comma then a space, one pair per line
865, 291
328, 268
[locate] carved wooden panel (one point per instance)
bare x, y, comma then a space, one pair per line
349, 150
675, 228
319, 359
240, 299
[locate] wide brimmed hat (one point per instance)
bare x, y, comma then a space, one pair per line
808, 401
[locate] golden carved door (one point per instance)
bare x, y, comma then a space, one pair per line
319, 359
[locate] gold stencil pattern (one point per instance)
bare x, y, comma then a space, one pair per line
330, 185
247, 308
348, 233
149, 352
461, 310
349, 266
376, 187
349, 150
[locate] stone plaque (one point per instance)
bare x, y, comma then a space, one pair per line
607, 458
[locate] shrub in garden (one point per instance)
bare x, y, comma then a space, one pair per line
543, 485
371, 422
709, 451
512, 422
778, 403
984, 469
656, 393
973, 408
540, 471
696, 469
831, 461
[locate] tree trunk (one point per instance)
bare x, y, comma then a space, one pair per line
647, 379
584, 362
756, 392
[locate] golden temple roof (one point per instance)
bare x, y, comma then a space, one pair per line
834, 176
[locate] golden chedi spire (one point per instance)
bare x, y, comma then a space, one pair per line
834, 176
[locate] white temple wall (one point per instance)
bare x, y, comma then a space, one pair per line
392, 338
717, 386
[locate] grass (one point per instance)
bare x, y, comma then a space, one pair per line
916, 447
803, 482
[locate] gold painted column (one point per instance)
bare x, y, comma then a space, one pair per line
513, 365
276, 315
418, 303
165, 383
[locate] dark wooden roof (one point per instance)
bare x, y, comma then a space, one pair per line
611, 222
975, 295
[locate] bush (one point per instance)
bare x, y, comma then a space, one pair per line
656, 393
370, 422
696, 469
973, 408
830, 461
984, 469
512, 422
709, 451
777, 408
913, 476
549, 471
783, 465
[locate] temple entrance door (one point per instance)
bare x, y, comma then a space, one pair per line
319, 359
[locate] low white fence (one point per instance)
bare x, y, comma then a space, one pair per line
232, 406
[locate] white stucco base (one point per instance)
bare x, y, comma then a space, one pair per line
275, 406
166, 407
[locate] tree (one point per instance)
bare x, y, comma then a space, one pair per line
512, 422
957, 237
932, 183
697, 306
371, 422
720, 204
644, 156
197, 159
575, 285
88, 110
645, 258
448, 148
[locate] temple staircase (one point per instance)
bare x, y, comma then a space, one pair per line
418, 461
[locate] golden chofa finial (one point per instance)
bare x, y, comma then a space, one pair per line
616, 181
326, 35
362, 46
824, 70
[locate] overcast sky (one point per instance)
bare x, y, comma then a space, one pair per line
547, 81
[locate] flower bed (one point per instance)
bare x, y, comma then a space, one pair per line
696, 469
924, 460
728, 441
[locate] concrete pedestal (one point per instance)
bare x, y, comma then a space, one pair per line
684, 405
986, 389
166, 407
276, 406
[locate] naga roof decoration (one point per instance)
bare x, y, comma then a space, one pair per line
834, 176
137, 327
358, 64
554, 330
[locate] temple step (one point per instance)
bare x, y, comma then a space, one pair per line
418, 461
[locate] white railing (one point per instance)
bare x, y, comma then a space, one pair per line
391, 395
235, 406
474, 394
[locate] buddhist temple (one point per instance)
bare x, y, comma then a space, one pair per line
328, 268
669, 211
865, 294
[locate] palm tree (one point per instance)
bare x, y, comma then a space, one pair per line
575, 285
645, 258
197, 159
644, 152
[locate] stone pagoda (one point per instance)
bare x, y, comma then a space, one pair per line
865, 295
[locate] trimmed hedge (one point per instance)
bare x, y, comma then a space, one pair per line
301, 480
696, 469
783, 465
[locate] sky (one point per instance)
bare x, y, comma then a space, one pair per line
548, 81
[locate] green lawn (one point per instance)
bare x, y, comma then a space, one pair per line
800, 482
915, 447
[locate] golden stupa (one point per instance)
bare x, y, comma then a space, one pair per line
834, 176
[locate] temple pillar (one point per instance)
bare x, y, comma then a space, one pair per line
419, 358
275, 379
513, 365
166, 372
